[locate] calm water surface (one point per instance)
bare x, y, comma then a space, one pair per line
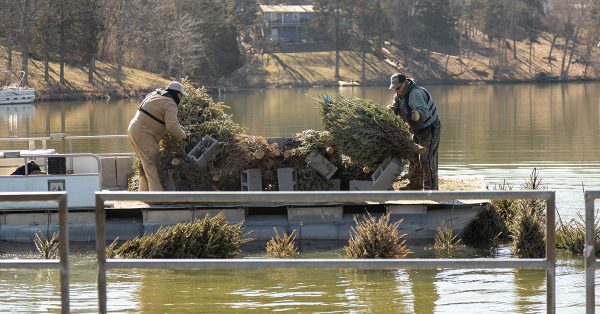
501, 132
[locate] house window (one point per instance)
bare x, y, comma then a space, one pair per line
295, 17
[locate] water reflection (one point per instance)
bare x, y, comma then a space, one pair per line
16, 117
530, 290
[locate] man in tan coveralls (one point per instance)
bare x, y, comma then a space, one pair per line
156, 115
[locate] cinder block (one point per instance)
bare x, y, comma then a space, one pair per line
251, 180
204, 152
109, 172
321, 164
405, 209
167, 217
287, 179
359, 185
335, 185
315, 213
124, 170
385, 175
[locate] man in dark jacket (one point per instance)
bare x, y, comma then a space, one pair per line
416, 106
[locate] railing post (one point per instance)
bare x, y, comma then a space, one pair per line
64, 253
551, 255
100, 250
589, 253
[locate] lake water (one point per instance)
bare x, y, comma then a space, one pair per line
500, 132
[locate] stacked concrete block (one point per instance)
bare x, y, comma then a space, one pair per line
115, 171
287, 179
251, 180
385, 175
335, 185
204, 152
124, 170
109, 172
360, 185
321, 164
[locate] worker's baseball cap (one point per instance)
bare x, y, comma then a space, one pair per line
176, 86
396, 80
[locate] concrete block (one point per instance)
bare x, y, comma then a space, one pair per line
321, 164
335, 185
408, 209
233, 215
24, 219
320, 231
76, 218
204, 152
251, 180
287, 179
167, 217
360, 185
124, 168
386, 173
315, 213
109, 172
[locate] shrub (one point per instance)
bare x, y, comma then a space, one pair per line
528, 238
376, 238
46, 249
446, 241
282, 246
210, 237
570, 236
487, 228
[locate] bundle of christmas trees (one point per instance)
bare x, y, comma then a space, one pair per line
358, 136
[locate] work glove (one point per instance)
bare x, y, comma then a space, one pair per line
394, 108
415, 116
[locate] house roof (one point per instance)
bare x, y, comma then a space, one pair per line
286, 8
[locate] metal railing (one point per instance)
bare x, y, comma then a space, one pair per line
63, 236
354, 197
589, 252
31, 141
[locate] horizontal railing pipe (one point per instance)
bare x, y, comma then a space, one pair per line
63, 237
319, 197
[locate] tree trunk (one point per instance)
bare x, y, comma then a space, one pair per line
61, 44
530, 55
121, 42
564, 57
9, 52
554, 36
26, 42
572, 49
92, 69
362, 67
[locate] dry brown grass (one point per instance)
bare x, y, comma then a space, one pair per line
135, 82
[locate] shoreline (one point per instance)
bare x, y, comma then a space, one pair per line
82, 96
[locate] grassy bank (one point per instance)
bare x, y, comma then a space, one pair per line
135, 82
479, 62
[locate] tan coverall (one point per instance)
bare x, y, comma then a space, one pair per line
145, 133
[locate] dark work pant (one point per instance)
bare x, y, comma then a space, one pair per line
429, 138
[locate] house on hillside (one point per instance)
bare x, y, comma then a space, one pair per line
286, 22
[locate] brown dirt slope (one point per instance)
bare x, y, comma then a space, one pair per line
135, 82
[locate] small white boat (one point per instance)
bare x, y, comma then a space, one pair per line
16, 94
